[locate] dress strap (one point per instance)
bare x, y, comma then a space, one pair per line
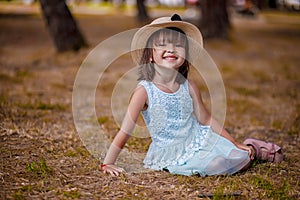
186, 84
149, 89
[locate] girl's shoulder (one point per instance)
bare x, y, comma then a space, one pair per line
140, 89
143, 83
142, 95
190, 83
139, 97
146, 85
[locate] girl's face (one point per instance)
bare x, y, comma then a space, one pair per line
169, 49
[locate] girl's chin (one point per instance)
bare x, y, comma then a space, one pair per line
170, 62
170, 67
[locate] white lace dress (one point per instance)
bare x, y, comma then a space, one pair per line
180, 144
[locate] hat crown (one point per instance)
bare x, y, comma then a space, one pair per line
161, 20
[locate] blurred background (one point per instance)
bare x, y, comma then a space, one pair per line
212, 17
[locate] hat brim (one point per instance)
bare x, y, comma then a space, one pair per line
141, 37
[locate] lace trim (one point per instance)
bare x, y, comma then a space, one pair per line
177, 154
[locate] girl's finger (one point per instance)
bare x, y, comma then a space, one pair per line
111, 173
120, 170
113, 170
116, 173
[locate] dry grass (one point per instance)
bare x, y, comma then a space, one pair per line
42, 157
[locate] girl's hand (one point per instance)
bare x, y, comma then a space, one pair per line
250, 150
111, 169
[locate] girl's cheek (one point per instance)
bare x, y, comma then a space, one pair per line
181, 53
159, 49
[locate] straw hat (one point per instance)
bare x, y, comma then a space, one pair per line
141, 37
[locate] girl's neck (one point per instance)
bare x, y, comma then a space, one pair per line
164, 75
165, 79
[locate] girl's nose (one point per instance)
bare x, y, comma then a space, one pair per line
171, 48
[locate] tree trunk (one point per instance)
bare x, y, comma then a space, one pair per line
214, 21
142, 11
62, 26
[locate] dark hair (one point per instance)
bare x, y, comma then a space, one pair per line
146, 69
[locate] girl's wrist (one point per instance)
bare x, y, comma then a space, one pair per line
102, 166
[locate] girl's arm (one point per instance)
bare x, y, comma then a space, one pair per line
200, 111
204, 117
136, 105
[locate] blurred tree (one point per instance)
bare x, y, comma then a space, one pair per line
142, 11
214, 21
61, 25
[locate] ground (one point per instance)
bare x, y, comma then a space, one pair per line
42, 156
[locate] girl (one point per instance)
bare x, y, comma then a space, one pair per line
185, 138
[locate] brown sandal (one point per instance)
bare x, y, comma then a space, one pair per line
265, 150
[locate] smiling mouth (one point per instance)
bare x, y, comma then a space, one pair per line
170, 57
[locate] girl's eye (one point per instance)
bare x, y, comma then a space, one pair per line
179, 45
161, 44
